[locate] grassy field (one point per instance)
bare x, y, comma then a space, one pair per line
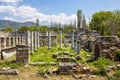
43, 54
34, 72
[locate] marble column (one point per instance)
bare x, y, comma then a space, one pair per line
31, 42
38, 39
78, 47
4, 42
27, 38
35, 40
0, 44
9, 41
16, 40
75, 45
72, 42
49, 40
60, 39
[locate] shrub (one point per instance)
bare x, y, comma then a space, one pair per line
117, 74
118, 34
117, 57
42, 72
100, 65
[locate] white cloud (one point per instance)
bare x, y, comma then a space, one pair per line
29, 13
7, 18
10, 1
7, 9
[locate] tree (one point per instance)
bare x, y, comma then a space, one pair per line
23, 29
98, 21
113, 23
84, 25
8, 29
32, 28
79, 18
37, 22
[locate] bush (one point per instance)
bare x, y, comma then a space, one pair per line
118, 34
117, 74
101, 62
42, 72
100, 65
117, 57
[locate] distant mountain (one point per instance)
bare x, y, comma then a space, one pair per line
16, 25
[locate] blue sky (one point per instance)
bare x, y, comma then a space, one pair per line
63, 11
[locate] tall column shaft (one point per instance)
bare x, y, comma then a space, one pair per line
49, 40
72, 42
28, 38
9, 41
60, 39
78, 47
75, 45
31, 42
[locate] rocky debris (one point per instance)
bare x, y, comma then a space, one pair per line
65, 68
111, 67
64, 59
55, 55
81, 76
86, 70
71, 54
49, 72
78, 57
73, 60
88, 56
43, 63
118, 65
66, 53
8, 71
45, 76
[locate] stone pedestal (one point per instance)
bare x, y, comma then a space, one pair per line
22, 54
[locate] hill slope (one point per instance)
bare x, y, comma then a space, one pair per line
16, 25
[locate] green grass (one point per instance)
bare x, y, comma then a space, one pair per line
45, 55
12, 65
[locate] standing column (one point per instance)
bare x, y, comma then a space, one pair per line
31, 41
28, 38
9, 41
75, 45
35, 40
16, 40
60, 39
78, 47
0, 44
13, 41
49, 40
72, 42
4, 42
38, 41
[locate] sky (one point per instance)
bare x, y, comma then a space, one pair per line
57, 11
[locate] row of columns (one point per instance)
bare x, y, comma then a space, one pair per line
33, 40
10, 41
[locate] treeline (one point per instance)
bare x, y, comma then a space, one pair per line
56, 28
106, 22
